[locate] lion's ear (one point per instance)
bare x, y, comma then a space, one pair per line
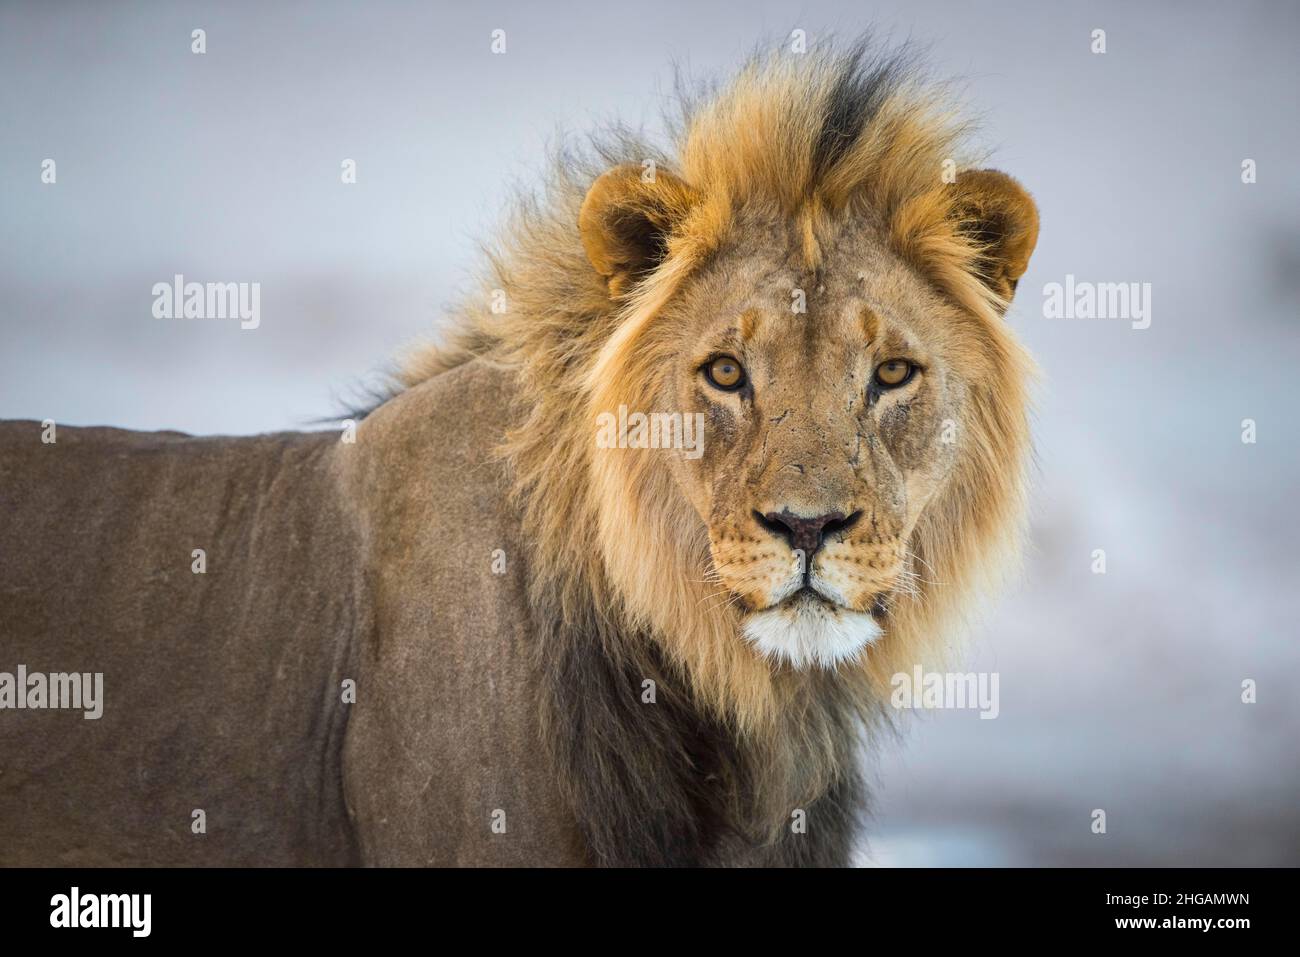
626, 218
997, 212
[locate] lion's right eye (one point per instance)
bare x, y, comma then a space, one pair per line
725, 373
894, 373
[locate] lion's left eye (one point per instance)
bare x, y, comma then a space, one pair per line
725, 373
895, 372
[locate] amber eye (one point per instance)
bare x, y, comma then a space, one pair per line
895, 372
726, 373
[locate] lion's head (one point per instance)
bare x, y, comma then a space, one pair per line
815, 277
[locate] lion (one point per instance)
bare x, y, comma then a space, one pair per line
479, 634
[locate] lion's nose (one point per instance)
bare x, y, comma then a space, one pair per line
806, 533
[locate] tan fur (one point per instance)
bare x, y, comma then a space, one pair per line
595, 321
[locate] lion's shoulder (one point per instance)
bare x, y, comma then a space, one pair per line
451, 675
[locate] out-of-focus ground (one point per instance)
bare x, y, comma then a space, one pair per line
1118, 691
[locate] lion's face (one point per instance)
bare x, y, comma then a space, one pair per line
863, 408
831, 404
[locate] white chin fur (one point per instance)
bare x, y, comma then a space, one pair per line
808, 634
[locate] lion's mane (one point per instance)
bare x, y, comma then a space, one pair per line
618, 563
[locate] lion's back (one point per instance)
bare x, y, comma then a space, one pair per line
204, 585
230, 591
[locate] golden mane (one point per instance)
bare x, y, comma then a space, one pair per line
815, 136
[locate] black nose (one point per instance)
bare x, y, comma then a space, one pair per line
806, 534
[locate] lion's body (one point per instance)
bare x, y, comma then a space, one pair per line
220, 688
223, 691
563, 651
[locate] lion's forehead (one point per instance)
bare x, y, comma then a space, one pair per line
784, 307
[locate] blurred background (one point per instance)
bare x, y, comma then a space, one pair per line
1119, 691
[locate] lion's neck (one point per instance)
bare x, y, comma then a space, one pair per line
653, 778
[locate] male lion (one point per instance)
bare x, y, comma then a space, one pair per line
562, 650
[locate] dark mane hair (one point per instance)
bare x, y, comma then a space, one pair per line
733, 747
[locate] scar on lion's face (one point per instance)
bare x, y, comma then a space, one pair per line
825, 395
